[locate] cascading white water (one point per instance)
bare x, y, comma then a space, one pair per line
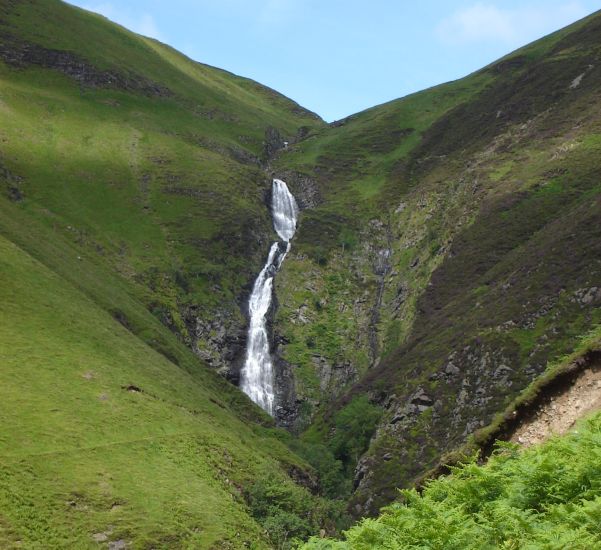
257, 373
284, 210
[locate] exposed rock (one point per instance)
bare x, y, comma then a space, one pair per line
218, 338
287, 405
558, 412
478, 376
381, 264
421, 399
578, 80
304, 188
300, 315
20, 54
399, 299
333, 378
588, 296
304, 478
13, 184
14, 193
400, 208
273, 143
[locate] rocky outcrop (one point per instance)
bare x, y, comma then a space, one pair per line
13, 184
441, 413
304, 188
218, 339
273, 143
333, 376
20, 54
287, 404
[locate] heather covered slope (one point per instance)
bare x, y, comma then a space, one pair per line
453, 247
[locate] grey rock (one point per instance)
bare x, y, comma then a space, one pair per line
588, 296
273, 143
304, 188
217, 337
13, 184
420, 398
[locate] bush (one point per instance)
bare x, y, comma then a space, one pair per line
355, 424
289, 512
546, 497
332, 479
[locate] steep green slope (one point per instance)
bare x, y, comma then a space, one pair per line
114, 431
131, 212
148, 159
104, 437
451, 251
448, 250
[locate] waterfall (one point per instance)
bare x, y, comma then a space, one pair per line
257, 373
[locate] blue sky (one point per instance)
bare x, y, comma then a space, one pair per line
338, 57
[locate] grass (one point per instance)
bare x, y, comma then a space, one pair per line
360, 154
102, 457
129, 217
156, 185
112, 437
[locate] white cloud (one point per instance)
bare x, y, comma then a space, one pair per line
487, 22
141, 23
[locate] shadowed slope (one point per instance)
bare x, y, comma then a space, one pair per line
452, 253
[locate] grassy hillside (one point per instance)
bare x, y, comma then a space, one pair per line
145, 158
105, 437
447, 253
451, 254
114, 431
132, 210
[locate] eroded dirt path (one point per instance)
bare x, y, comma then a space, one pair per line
558, 414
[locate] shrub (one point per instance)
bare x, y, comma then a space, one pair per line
355, 425
289, 512
546, 497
